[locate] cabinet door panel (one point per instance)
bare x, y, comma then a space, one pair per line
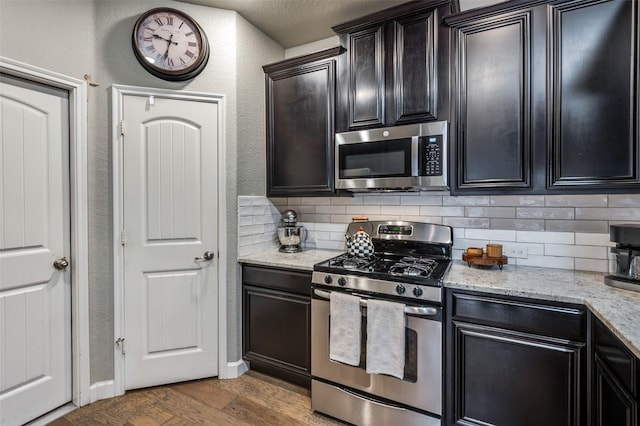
595, 100
509, 378
614, 406
494, 130
414, 69
366, 78
277, 328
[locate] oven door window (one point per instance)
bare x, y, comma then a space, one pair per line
381, 159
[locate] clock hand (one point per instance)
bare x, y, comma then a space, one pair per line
162, 38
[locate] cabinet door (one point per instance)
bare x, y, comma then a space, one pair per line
277, 333
366, 74
413, 92
510, 378
300, 112
613, 404
494, 103
594, 139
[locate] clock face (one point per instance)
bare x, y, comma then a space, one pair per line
170, 44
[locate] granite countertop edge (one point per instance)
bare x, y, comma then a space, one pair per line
618, 309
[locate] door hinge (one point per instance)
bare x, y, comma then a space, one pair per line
122, 127
120, 343
123, 237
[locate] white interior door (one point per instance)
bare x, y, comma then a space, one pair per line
35, 298
170, 208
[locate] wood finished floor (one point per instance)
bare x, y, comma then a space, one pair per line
252, 399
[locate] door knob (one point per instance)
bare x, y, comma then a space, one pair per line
61, 263
208, 255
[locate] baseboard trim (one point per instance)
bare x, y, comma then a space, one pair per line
102, 390
235, 369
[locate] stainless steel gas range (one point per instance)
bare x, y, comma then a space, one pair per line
410, 261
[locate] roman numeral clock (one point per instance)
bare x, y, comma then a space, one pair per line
170, 44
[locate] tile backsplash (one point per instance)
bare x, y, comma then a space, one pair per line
556, 231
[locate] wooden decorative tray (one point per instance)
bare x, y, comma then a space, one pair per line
485, 260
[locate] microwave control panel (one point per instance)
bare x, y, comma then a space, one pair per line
431, 155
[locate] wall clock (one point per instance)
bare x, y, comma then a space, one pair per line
170, 44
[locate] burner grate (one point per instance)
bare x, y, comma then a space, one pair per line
414, 266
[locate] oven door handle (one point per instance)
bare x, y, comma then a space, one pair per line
411, 310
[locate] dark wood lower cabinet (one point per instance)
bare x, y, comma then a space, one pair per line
615, 380
515, 362
276, 331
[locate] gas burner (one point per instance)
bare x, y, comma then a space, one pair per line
353, 263
414, 266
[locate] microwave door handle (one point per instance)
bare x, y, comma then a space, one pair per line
415, 153
411, 310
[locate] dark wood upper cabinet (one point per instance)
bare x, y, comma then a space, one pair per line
390, 73
300, 96
595, 57
546, 98
493, 138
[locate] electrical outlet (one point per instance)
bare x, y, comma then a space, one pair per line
515, 251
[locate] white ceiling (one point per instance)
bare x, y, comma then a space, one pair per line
296, 22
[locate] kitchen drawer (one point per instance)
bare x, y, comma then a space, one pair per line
537, 317
297, 282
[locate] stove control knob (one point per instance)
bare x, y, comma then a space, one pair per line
400, 289
417, 291
328, 279
342, 281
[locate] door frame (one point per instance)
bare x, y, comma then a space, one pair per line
118, 92
80, 371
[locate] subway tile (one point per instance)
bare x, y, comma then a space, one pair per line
441, 211
245, 220
620, 213
545, 237
467, 222
399, 210
501, 212
597, 226
624, 200
294, 201
464, 243
586, 200
544, 213
422, 200
429, 219
518, 224
362, 210
331, 209
381, 200
348, 201
490, 234
317, 218
566, 250
315, 201
330, 245
547, 262
251, 230
279, 201
517, 200
449, 200
585, 239
593, 265
331, 227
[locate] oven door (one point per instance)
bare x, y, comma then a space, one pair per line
421, 387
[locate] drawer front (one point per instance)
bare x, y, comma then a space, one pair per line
297, 282
531, 317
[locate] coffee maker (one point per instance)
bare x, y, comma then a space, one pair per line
624, 262
290, 235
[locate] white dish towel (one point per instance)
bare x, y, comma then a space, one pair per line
344, 335
385, 338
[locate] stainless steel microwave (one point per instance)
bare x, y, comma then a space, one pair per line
403, 158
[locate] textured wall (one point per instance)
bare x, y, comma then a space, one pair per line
556, 231
93, 37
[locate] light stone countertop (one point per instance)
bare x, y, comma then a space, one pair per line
303, 260
618, 309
